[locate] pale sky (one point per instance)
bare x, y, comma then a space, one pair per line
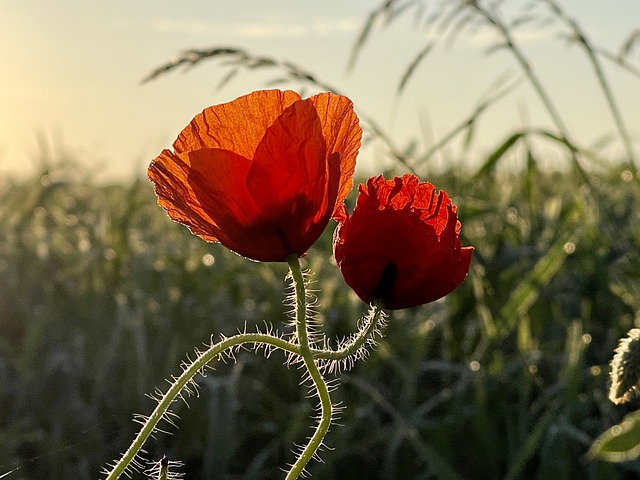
71, 73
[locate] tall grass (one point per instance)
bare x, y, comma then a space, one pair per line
101, 298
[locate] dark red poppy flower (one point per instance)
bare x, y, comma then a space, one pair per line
401, 245
262, 174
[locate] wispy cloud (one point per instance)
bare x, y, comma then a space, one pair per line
317, 28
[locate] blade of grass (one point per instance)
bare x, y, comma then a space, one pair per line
413, 65
621, 442
431, 458
497, 154
530, 446
528, 290
470, 122
580, 36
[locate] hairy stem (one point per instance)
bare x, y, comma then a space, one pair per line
365, 335
319, 383
182, 381
309, 355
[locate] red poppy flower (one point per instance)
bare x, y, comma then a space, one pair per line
401, 245
262, 174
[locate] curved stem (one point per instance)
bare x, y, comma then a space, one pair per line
182, 381
364, 336
309, 356
318, 381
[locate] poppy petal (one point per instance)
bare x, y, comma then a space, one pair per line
289, 168
216, 178
401, 245
237, 126
255, 174
343, 135
170, 176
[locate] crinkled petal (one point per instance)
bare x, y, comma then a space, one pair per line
237, 126
401, 245
223, 193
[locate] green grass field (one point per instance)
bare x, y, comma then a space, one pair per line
102, 296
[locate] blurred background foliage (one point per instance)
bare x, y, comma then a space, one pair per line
102, 297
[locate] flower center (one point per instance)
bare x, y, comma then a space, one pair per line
384, 289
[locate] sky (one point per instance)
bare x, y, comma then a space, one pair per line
71, 74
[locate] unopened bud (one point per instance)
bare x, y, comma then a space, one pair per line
625, 368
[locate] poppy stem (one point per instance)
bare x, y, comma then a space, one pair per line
314, 373
311, 357
371, 326
181, 384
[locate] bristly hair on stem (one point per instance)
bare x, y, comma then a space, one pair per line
164, 469
313, 375
356, 346
183, 386
313, 324
301, 348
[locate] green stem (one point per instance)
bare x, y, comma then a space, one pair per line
364, 335
181, 382
303, 349
318, 381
